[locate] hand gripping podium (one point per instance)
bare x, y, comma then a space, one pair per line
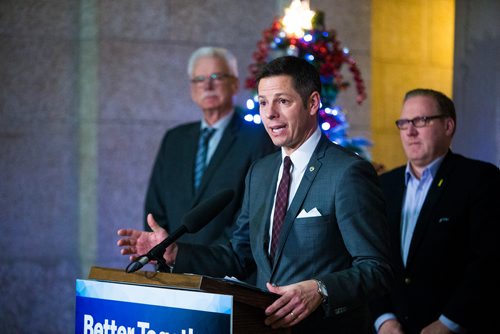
113, 301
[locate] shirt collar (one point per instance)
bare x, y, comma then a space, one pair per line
305, 151
431, 169
221, 124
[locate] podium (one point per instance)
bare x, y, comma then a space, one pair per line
248, 302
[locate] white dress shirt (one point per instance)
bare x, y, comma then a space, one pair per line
300, 158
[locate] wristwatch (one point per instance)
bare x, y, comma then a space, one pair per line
322, 290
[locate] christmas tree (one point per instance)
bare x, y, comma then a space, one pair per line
301, 33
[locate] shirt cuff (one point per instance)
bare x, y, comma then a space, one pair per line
452, 326
383, 318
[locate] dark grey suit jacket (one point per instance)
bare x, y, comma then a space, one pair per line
455, 241
171, 194
346, 247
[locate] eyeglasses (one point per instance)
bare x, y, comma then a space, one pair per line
214, 77
418, 122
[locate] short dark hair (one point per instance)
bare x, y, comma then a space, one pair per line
445, 104
305, 77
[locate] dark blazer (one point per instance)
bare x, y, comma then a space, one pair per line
346, 247
443, 272
171, 194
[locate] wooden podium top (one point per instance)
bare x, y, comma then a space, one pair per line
241, 292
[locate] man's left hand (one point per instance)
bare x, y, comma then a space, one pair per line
296, 303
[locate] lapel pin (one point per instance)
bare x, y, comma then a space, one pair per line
440, 183
311, 169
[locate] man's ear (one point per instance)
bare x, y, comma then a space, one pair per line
314, 103
236, 85
450, 126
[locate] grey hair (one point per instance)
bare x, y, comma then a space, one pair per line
211, 51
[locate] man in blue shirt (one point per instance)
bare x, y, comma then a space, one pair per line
442, 208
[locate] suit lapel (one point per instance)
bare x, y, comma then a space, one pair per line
394, 191
310, 173
437, 188
190, 146
229, 136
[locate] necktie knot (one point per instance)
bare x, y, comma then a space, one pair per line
206, 134
287, 163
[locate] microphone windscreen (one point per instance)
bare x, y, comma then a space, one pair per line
204, 212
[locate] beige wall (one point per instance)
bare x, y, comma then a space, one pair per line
412, 46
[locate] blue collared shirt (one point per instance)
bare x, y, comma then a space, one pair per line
219, 127
416, 191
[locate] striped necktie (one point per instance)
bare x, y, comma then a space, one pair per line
281, 205
201, 155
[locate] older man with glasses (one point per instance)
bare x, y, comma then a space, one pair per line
199, 159
443, 212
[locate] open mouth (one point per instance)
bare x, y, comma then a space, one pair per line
277, 129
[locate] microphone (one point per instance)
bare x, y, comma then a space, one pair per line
192, 222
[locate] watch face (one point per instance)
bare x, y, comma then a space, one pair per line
322, 290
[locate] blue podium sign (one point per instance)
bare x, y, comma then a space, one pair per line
117, 308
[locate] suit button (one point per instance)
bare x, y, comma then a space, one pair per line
407, 281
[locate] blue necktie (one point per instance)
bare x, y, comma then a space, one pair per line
201, 155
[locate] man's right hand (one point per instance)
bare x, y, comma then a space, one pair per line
135, 243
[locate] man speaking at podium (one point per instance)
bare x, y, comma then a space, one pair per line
312, 224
